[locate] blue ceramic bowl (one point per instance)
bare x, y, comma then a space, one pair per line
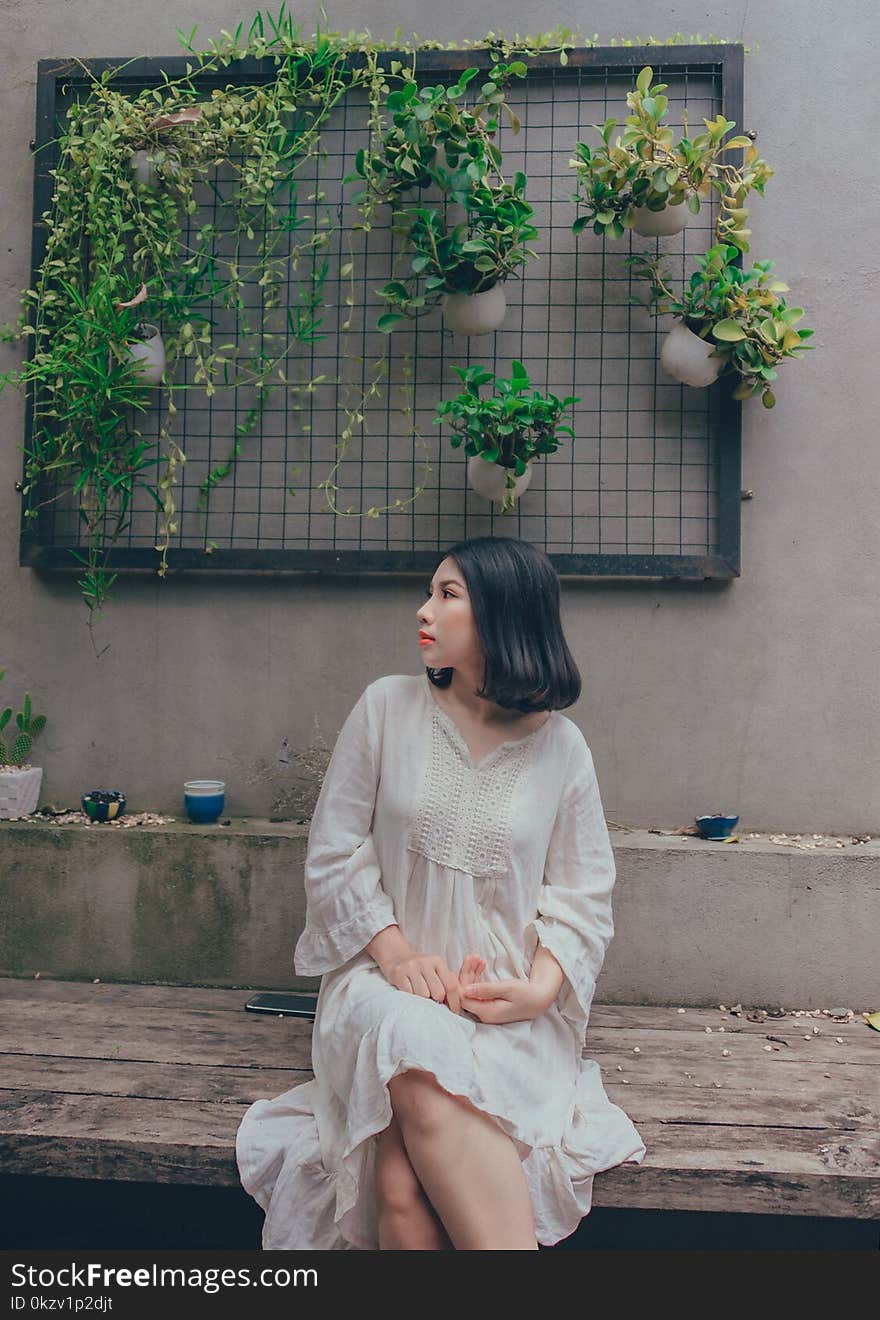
103, 804
203, 800
716, 827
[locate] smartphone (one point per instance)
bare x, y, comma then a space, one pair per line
285, 1003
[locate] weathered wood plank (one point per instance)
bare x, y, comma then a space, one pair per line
792, 1171
248, 1040
858, 1049
156, 1081
626, 1017
757, 1110
822, 1079
27, 990
156, 1034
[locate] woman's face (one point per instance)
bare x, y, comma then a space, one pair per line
446, 615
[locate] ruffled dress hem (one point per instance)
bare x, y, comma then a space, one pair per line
285, 1172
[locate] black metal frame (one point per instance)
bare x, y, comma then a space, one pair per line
722, 60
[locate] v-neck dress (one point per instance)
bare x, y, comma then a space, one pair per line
488, 859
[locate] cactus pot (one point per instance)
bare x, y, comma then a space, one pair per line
475, 313
19, 790
659, 224
685, 356
490, 479
103, 804
204, 800
149, 354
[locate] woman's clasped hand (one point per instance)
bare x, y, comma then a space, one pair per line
427, 975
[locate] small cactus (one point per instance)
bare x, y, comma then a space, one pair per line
29, 726
21, 748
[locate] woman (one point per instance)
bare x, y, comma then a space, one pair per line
458, 881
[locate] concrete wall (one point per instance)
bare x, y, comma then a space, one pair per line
696, 922
760, 697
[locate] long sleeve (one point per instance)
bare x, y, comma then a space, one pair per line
346, 904
574, 909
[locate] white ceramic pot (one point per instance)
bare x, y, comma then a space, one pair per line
685, 356
146, 167
475, 313
19, 790
150, 354
659, 224
490, 479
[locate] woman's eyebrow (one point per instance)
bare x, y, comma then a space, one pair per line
447, 582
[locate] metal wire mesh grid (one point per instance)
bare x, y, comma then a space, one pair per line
640, 478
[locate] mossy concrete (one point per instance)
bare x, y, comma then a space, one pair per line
188, 905
696, 923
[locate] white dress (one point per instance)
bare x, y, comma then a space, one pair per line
486, 860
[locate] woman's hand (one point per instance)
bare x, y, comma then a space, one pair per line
426, 975
472, 969
512, 1000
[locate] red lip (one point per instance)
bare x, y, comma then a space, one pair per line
425, 637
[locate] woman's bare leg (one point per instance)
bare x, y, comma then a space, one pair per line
407, 1220
468, 1167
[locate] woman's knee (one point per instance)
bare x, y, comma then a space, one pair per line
417, 1097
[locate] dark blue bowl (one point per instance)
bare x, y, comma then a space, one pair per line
716, 827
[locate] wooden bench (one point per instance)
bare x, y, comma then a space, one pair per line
148, 1083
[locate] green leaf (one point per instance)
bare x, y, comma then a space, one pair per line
768, 398
643, 82
729, 331
389, 321
693, 204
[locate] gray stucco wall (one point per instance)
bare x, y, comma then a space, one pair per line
759, 697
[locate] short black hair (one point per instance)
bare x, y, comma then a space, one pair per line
514, 595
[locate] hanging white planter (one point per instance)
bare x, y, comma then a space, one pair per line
149, 353
152, 168
685, 356
659, 224
475, 313
490, 479
19, 790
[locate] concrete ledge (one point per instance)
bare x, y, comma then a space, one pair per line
697, 922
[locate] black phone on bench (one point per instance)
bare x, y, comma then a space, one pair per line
283, 1003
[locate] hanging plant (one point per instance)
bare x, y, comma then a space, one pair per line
470, 257
504, 431
649, 182
739, 318
435, 138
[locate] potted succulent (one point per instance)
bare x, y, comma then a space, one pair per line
504, 432
648, 182
726, 318
19, 781
464, 265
